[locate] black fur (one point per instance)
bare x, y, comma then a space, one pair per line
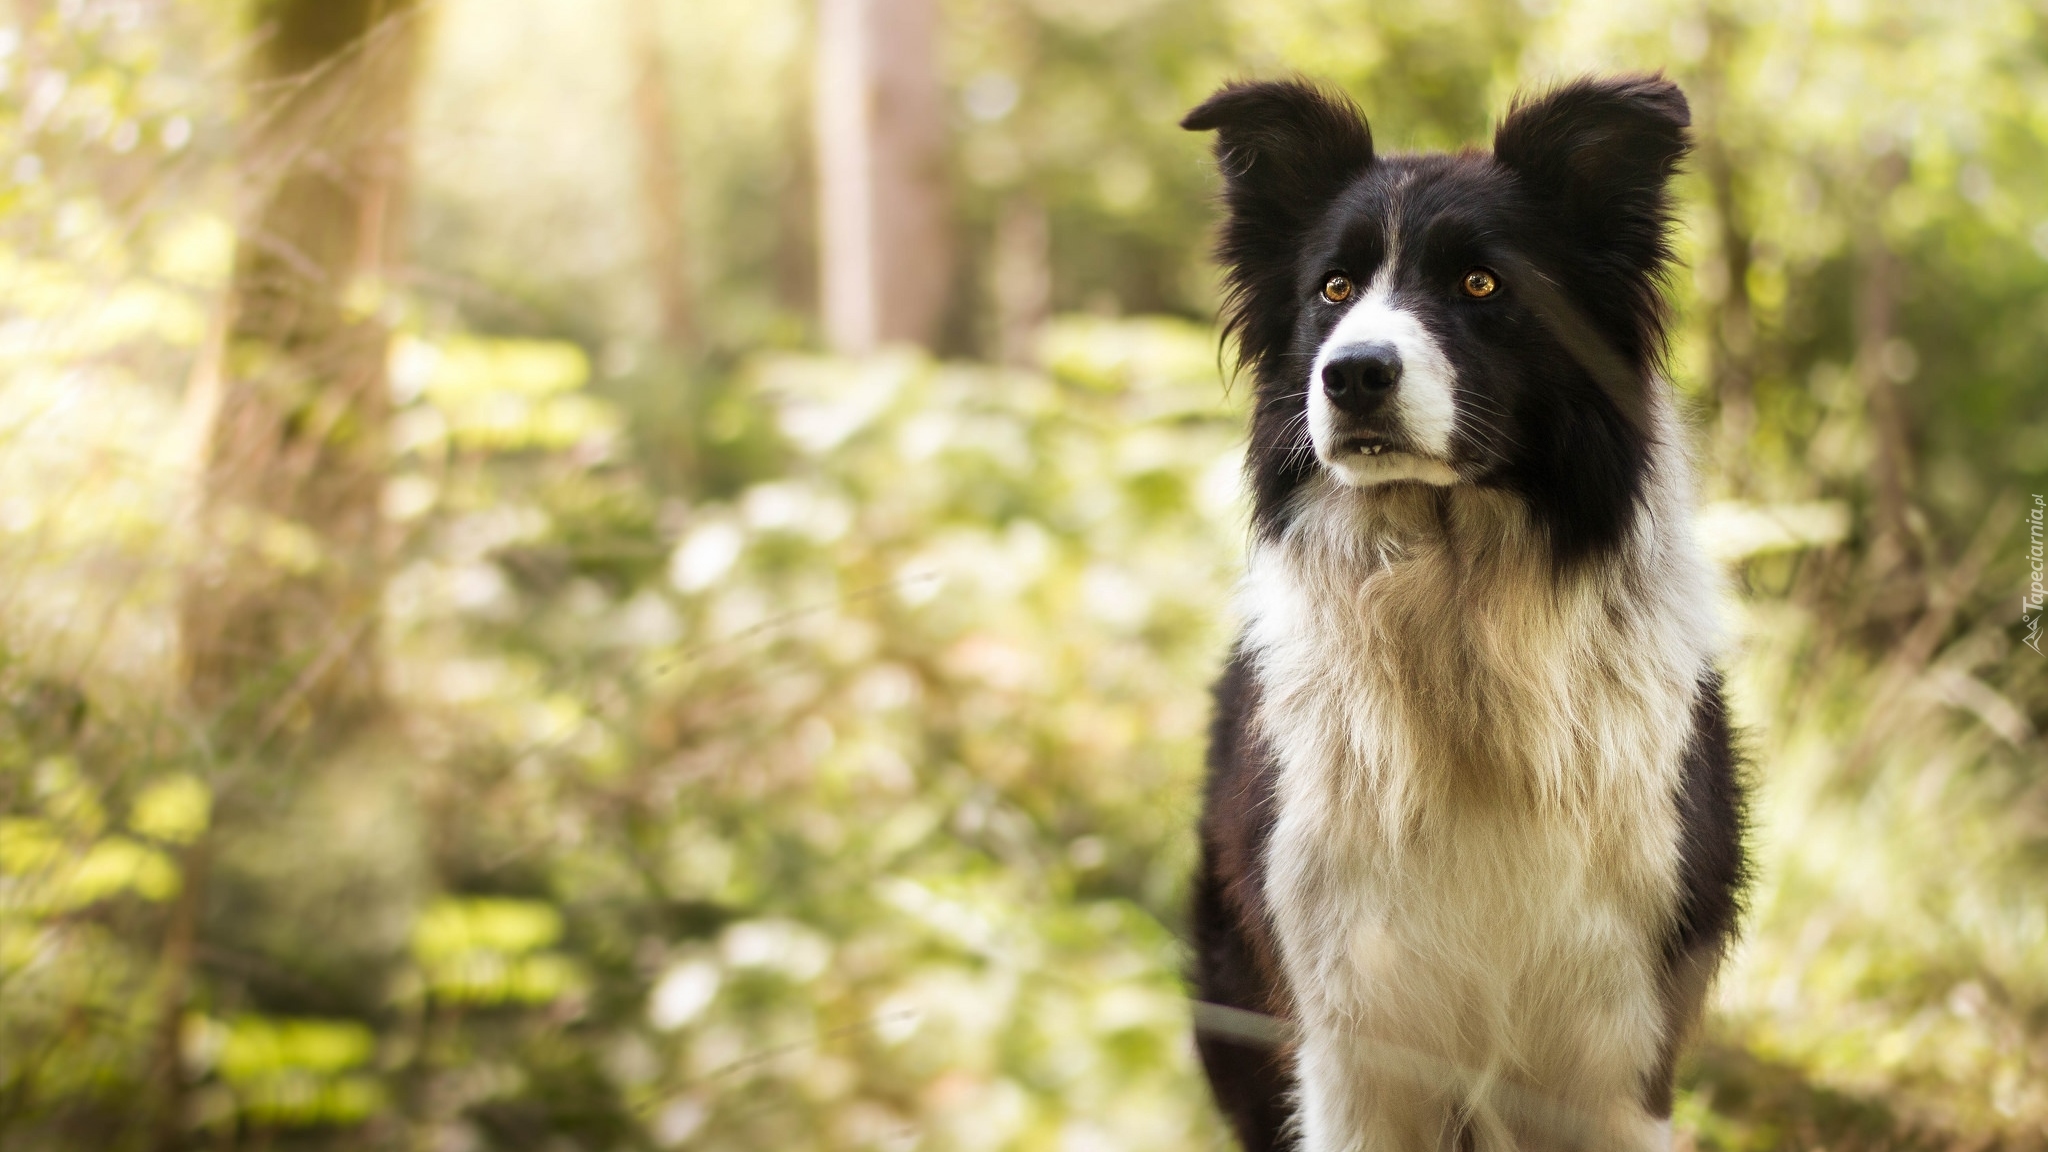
1713, 873
1286, 151
1711, 870
1236, 957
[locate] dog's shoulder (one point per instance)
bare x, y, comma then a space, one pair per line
1237, 818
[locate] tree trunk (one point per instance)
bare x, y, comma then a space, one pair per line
1895, 560
279, 623
1731, 323
1732, 334
661, 182
1021, 279
167, 1071
885, 259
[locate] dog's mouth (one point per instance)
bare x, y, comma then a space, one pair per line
1369, 459
1369, 445
1367, 454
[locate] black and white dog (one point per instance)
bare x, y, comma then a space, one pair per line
1473, 825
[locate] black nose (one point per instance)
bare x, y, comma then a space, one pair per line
1359, 377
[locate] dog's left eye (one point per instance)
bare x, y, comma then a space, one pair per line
1479, 284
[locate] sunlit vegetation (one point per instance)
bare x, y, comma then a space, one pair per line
744, 747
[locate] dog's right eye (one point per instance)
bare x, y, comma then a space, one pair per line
1337, 289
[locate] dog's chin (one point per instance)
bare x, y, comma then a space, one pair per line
1361, 467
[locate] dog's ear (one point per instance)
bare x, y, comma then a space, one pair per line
1285, 148
1602, 150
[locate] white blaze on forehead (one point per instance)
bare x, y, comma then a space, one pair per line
1424, 402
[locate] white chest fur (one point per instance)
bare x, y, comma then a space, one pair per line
1475, 851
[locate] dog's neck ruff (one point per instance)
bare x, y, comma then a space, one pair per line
1444, 605
1477, 753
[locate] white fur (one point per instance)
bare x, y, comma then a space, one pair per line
1425, 401
1476, 842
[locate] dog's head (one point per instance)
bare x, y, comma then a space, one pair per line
1445, 319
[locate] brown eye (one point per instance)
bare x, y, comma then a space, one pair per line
1337, 289
1479, 284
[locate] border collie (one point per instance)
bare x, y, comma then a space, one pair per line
1473, 833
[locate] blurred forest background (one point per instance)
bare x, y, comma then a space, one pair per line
641, 574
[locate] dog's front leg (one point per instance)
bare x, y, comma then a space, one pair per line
1351, 1100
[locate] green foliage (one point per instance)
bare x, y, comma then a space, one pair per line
793, 752
492, 951
291, 1072
962, 910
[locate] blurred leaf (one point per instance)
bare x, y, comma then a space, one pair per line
174, 810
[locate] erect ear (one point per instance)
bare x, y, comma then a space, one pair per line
1285, 148
1602, 149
